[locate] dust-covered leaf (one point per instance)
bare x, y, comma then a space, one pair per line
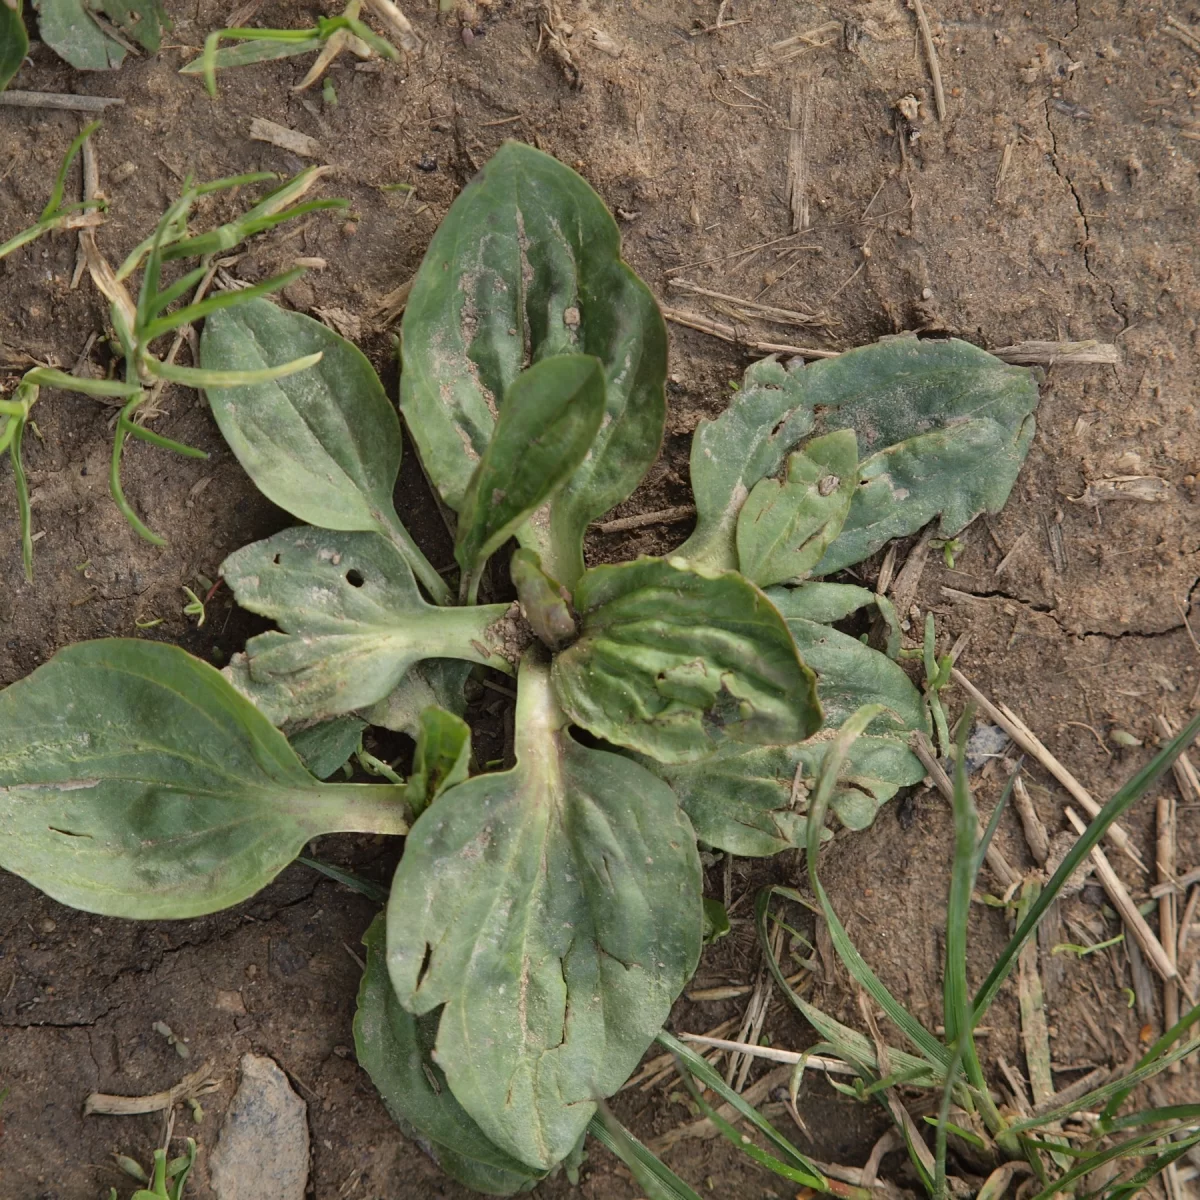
851, 673
672, 659
135, 782
442, 759
324, 444
784, 527
943, 428
352, 621
549, 419
753, 802
396, 1050
526, 265
748, 442
827, 602
14, 41
554, 910
142, 21
68, 29
433, 681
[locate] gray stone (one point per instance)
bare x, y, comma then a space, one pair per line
263, 1148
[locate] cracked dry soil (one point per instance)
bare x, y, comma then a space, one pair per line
1056, 200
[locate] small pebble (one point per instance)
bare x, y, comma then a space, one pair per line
47, 926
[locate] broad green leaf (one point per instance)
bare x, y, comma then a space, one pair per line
545, 603
352, 621
526, 265
752, 802
851, 674
14, 41
135, 782
943, 428
672, 659
554, 909
825, 602
432, 681
443, 757
784, 528
549, 419
66, 27
144, 21
749, 441
323, 443
326, 747
396, 1050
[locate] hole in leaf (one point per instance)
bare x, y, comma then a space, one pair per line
355, 578
424, 964
68, 832
277, 559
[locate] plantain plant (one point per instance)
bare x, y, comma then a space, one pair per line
543, 918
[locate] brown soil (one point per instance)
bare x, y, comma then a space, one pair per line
1056, 200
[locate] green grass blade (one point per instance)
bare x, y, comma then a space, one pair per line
197, 377
994, 820
1137, 1182
244, 54
115, 388
194, 312
182, 285
941, 1140
1150, 1116
653, 1176
1124, 799
365, 887
26, 236
846, 950
1163, 1044
1121, 1150
152, 271
164, 443
692, 1064
1120, 1087
235, 181
114, 476
225, 237
60, 180
817, 1182
24, 512
956, 997
845, 1042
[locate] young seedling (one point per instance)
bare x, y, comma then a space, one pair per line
330, 36
56, 214
543, 917
138, 323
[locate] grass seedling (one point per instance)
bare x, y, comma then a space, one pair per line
139, 323
330, 36
56, 214
1144, 1142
